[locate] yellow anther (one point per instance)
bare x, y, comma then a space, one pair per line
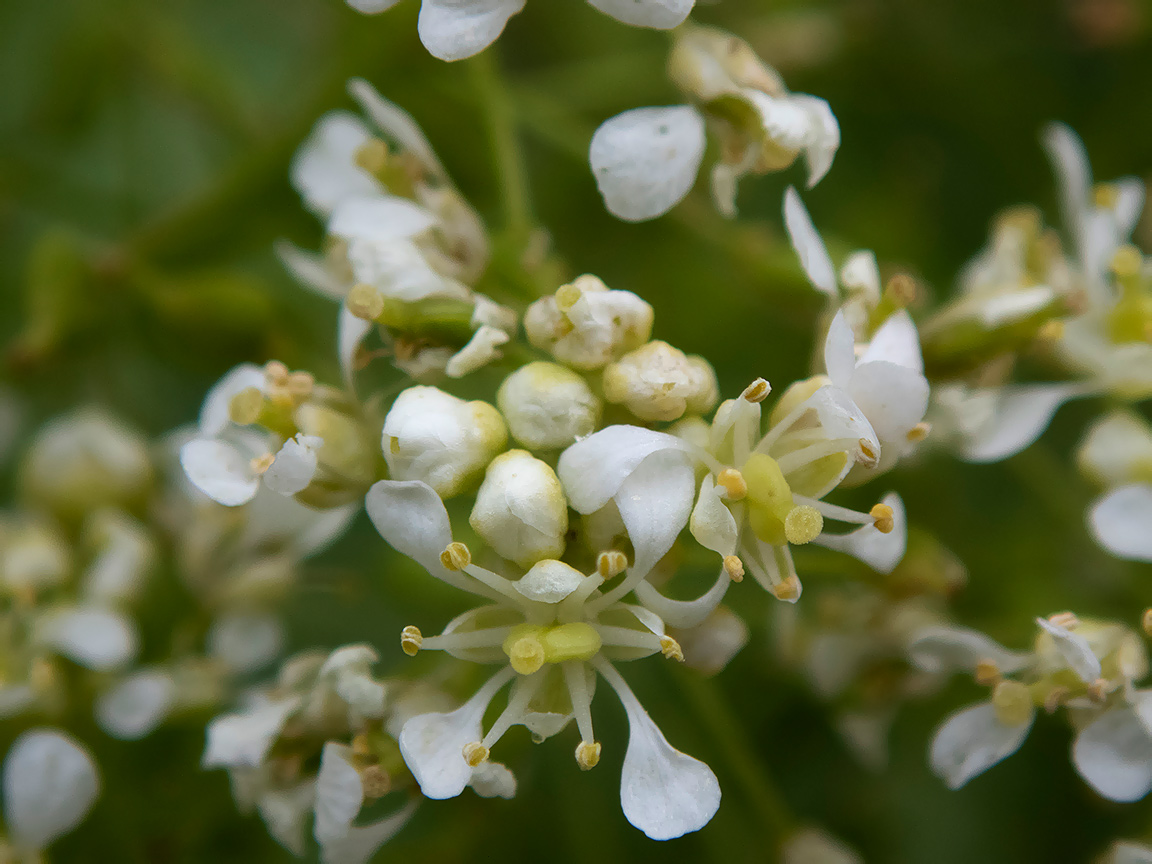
787, 589
870, 455
902, 288
1146, 621
1055, 699
260, 464
300, 385
883, 518
734, 567
1105, 195
275, 372
918, 432
375, 781
372, 156
732, 482
525, 653
365, 302
671, 649
456, 556
1099, 689
611, 563
245, 406
1067, 620
475, 753
1127, 261
757, 391
567, 296
588, 755
803, 524
411, 639
988, 673
1051, 331
1013, 703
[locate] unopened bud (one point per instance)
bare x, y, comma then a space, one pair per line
671, 649
456, 556
588, 755
410, 640
475, 753
734, 567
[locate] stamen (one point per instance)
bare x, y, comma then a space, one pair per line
734, 567
902, 288
245, 406
588, 755
372, 156
376, 782
491, 637
732, 481
475, 753
579, 696
1099, 689
671, 649
988, 673
275, 373
835, 511
455, 557
522, 693
803, 524
1146, 622
365, 302
626, 637
919, 432
1055, 699
261, 464
757, 391
1127, 261
884, 518
787, 589
300, 385
1067, 620
410, 640
870, 454
1051, 331
611, 563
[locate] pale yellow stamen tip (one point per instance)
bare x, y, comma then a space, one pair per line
803, 524
919, 432
1051, 331
884, 518
260, 464
456, 556
869, 455
1055, 699
588, 755
526, 655
475, 753
300, 385
1012, 702
245, 406
1127, 261
365, 302
375, 781
732, 482
988, 673
275, 372
1146, 621
1099, 689
757, 391
734, 567
372, 156
1067, 620
611, 563
671, 649
787, 589
902, 288
411, 639
1105, 195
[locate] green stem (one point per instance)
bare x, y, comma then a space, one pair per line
744, 763
500, 120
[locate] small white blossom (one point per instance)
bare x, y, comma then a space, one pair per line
50, 784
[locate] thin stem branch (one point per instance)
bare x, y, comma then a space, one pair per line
504, 141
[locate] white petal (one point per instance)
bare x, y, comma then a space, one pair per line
1073, 173
339, 793
1123, 852
214, 414
351, 333
893, 398
958, 649
897, 342
1022, 415
812, 846
1117, 449
379, 219
593, 469
324, 169
549, 581
840, 351
712, 523
493, 780
861, 273
50, 784
432, 744
645, 160
808, 245
285, 812
663, 792
242, 740
1121, 522
1129, 205
882, 552
822, 137
710, 645
363, 841
310, 270
136, 705
841, 418
971, 741
96, 638
370, 7
480, 351
1114, 755
655, 503
684, 613
295, 465
1074, 649
453, 30
658, 14
219, 470
397, 124
834, 659
246, 641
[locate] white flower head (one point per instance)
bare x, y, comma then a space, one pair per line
50, 784
439, 439
659, 382
547, 406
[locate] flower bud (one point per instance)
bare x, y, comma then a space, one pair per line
520, 509
659, 382
586, 326
547, 406
435, 437
86, 460
33, 555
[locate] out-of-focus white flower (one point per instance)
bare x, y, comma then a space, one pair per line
437, 438
50, 784
659, 382
1117, 454
814, 846
34, 555
137, 704
585, 325
555, 630
645, 160
94, 637
1113, 753
547, 406
123, 554
1126, 852
455, 29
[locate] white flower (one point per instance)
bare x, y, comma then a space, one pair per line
520, 510
439, 439
50, 784
455, 29
659, 382
1121, 522
94, 637
974, 739
586, 326
547, 406
555, 630
645, 160
1113, 753
245, 641
124, 553
136, 705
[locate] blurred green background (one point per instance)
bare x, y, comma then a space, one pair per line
144, 149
